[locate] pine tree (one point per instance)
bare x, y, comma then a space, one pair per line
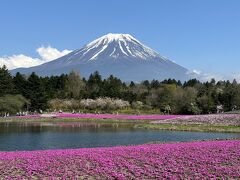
6, 82
94, 85
36, 93
20, 84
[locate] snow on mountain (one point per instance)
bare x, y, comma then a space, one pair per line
115, 46
119, 54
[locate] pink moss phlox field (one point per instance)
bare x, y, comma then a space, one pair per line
221, 119
191, 160
29, 116
103, 116
114, 116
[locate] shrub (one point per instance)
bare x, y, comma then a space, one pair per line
12, 104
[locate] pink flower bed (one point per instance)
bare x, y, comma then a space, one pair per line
102, 116
191, 160
221, 119
114, 116
28, 116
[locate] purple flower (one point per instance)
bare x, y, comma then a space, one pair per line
194, 160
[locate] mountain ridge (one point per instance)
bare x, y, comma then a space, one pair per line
118, 54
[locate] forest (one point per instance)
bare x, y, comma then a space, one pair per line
71, 92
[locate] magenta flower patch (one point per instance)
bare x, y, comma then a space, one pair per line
114, 116
105, 116
191, 160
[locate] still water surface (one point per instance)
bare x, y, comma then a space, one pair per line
35, 136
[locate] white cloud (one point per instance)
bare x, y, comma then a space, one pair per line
193, 72
208, 77
49, 53
203, 76
46, 54
20, 60
196, 71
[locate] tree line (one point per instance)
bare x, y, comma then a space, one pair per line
35, 93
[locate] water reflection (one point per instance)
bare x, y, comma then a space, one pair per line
63, 127
32, 136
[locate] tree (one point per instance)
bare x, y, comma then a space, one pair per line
162, 97
155, 84
146, 83
20, 84
112, 87
94, 85
6, 82
74, 85
191, 83
230, 96
36, 93
167, 109
189, 98
137, 105
132, 84
166, 95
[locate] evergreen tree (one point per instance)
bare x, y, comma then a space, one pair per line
94, 85
6, 82
20, 84
36, 93
112, 87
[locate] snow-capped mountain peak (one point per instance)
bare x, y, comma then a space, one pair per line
115, 46
120, 55
114, 37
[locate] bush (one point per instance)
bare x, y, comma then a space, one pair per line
12, 104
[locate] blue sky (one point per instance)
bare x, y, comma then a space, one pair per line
197, 34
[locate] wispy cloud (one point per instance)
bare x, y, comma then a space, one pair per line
46, 54
203, 76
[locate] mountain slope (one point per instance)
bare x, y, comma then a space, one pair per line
119, 54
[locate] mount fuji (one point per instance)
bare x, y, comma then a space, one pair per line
118, 54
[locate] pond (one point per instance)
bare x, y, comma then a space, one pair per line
36, 136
